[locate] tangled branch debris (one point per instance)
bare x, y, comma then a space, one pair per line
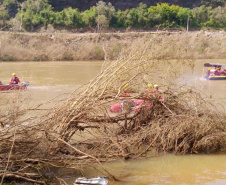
82, 131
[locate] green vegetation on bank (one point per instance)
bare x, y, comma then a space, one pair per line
33, 14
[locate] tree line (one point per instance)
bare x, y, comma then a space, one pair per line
33, 14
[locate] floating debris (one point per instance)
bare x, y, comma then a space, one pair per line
96, 181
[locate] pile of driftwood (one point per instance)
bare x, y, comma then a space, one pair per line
81, 130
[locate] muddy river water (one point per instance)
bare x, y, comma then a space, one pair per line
49, 79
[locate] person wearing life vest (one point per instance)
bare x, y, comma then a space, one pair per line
156, 88
149, 91
158, 94
217, 72
14, 79
150, 87
144, 103
125, 93
224, 72
207, 73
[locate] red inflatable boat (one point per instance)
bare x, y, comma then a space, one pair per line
14, 86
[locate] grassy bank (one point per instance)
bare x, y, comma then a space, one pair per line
94, 46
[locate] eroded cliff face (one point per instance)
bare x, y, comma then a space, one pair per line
119, 4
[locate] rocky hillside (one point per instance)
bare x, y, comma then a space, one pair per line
119, 4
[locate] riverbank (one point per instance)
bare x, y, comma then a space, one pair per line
95, 46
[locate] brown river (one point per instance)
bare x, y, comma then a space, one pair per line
49, 79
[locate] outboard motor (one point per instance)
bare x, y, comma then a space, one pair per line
25, 83
95, 181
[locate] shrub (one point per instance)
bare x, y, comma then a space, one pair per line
97, 53
67, 56
6, 57
212, 23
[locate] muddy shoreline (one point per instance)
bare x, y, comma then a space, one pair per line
95, 46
